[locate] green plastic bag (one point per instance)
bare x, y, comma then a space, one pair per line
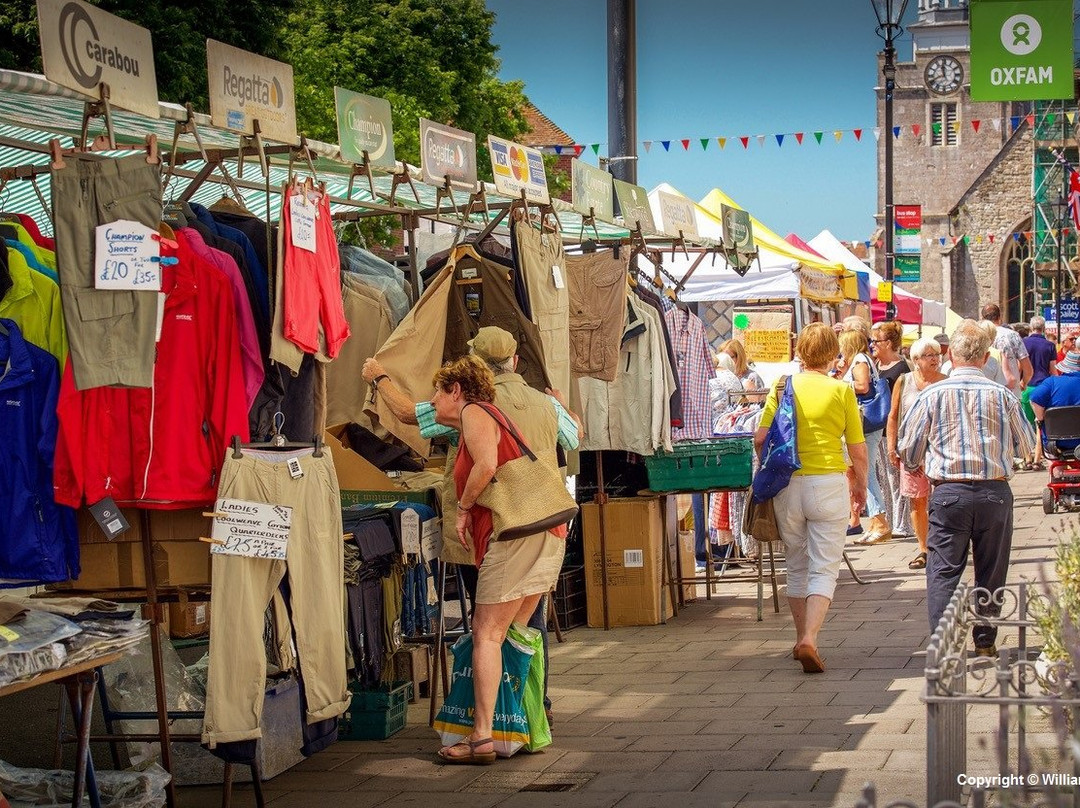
532, 702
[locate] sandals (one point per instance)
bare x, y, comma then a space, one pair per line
918, 562
474, 758
809, 659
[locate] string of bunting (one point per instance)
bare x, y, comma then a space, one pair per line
916, 129
977, 238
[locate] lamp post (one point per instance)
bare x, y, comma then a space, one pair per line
889, 13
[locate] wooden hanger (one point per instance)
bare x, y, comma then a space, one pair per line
100, 143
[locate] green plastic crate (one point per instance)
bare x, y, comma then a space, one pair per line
375, 715
725, 462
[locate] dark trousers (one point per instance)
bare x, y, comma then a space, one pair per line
701, 528
978, 515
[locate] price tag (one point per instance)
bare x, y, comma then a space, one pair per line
252, 529
126, 257
302, 222
109, 518
410, 532
296, 471
556, 274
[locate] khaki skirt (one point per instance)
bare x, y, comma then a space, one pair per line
518, 568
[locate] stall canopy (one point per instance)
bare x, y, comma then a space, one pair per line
794, 240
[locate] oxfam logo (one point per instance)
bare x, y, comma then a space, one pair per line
72, 18
1021, 34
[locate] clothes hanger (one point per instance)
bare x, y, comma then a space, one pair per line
277, 441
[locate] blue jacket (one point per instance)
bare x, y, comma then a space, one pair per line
38, 540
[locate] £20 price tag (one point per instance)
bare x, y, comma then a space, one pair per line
126, 256
302, 222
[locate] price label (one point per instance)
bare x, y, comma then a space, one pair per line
252, 529
302, 222
126, 256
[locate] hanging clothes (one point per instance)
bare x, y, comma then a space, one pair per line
258, 268
694, 363
541, 263
35, 232
379, 274
38, 541
34, 303
597, 294
657, 303
368, 314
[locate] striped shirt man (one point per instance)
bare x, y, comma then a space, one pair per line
965, 428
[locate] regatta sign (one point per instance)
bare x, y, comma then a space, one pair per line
1021, 50
245, 87
447, 154
364, 124
83, 47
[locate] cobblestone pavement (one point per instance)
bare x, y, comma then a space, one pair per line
708, 710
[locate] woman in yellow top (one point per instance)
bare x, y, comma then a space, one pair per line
812, 511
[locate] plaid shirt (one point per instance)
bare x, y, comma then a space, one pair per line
695, 368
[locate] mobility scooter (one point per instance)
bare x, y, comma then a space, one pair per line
1061, 424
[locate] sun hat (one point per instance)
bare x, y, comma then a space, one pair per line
493, 344
1070, 364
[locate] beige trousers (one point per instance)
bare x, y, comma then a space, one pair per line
243, 587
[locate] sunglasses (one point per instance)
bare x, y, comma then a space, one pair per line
880, 341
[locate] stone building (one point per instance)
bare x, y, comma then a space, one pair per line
967, 180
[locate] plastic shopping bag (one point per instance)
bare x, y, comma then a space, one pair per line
533, 700
510, 730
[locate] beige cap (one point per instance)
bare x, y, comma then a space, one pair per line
493, 344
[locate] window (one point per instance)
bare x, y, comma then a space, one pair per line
944, 129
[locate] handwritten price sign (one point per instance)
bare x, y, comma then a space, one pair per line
252, 529
126, 256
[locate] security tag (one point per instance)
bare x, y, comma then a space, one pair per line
556, 274
295, 470
109, 518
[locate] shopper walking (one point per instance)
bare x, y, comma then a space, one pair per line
914, 485
1015, 363
885, 345
812, 510
964, 432
1043, 355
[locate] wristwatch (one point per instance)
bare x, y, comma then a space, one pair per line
377, 379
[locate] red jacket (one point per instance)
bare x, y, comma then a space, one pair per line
161, 447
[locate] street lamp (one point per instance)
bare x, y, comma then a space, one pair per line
889, 13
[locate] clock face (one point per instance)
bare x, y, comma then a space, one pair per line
944, 75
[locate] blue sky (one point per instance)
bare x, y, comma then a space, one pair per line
724, 68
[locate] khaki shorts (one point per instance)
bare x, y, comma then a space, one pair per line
518, 568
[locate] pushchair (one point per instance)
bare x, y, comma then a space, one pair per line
1061, 424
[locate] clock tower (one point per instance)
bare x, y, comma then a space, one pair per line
946, 142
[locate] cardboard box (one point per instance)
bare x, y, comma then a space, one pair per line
411, 664
189, 618
362, 482
633, 533
687, 564
119, 565
182, 525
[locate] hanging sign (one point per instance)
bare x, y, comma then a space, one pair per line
677, 215
907, 244
591, 189
738, 234
364, 123
127, 256
518, 168
246, 87
766, 335
635, 207
820, 286
885, 292
1021, 50
447, 153
252, 529
83, 47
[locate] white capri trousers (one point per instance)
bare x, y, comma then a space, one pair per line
812, 514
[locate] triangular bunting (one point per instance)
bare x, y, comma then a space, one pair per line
648, 145
955, 239
877, 133
761, 140
685, 144
936, 127
1015, 120
1016, 236
838, 135
955, 126
1030, 119
798, 137
896, 132
991, 237
817, 136
578, 149
745, 141
915, 129
721, 142
858, 133
975, 125
1050, 118
666, 144
942, 240
779, 140
558, 149
596, 148
996, 123
704, 143
866, 244
978, 238
1070, 117
967, 239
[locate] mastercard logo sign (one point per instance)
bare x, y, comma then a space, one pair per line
519, 164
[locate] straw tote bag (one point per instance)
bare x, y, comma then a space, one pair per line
527, 495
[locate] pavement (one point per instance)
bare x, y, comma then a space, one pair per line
707, 710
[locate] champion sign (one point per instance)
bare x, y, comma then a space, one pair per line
83, 47
364, 125
245, 88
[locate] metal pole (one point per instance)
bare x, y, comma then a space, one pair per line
889, 70
622, 87
1062, 220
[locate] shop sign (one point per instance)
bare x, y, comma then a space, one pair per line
83, 47
250, 529
819, 286
885, 292
677, 215
591, 189
364, 124
447, 153
738, 236
127, 255
765, 334
635, 207
1021, 50
907, 243
1070, 311
246, 87
518, 168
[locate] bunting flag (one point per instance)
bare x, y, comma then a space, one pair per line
761, 141
817, 137
955, 126
1030, 119
779, 140
935, 127
991, 237
648, 145
686, 144
1070, 117
578, 149
996, 124
721, 142
896, 131
975, 125
915, 129
704, 143
666, 144
558, 150
798, 137
596, 148
1015, 120
877, 133
745, 141
838, 135
858, 134
942, 240
1074, 197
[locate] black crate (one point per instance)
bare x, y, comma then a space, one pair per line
569, 599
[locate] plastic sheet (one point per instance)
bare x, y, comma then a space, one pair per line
43, 788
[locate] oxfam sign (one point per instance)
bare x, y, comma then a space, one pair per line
1021, 50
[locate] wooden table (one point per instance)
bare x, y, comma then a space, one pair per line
79, 681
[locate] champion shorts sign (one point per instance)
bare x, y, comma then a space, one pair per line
245, 87
83, 47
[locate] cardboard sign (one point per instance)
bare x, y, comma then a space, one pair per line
83, 47
126, 256
765, 334
635, 207
251, 529
302, 222
677, 215
447, 153
592, 192
518, 168
1021, 50
245, 87
364, 123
